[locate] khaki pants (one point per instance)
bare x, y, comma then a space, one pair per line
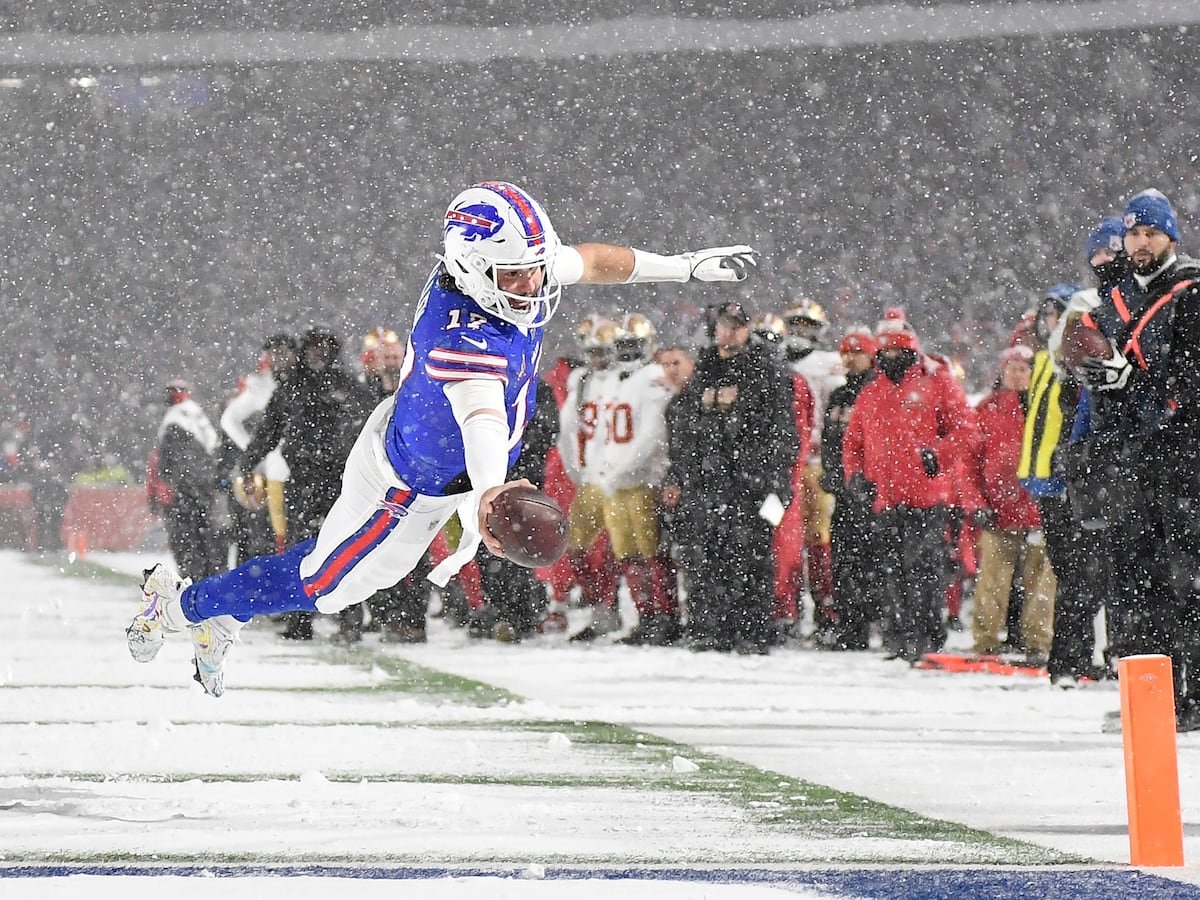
999, 551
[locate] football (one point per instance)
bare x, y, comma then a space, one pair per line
530, 526
1081, 341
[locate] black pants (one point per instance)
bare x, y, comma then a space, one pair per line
917, 574
1078, 560
512, 591
857, 573
1153, 488
195, 543
407, 602
732, 578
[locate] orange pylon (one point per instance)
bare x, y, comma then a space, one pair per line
1151, 761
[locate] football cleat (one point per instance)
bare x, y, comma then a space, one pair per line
147, 632
211, 640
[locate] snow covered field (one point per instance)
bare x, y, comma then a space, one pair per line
472, 769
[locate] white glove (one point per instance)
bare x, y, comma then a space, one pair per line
712, 264
1106, 374
772, 509
721, 263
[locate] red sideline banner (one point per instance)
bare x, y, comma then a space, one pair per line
106, 517
18, 523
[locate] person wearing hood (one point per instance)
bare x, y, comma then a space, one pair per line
184, 462
857, 577
733, 444
1011, 529
909, 427
313, 417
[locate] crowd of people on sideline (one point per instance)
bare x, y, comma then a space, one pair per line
786, 485
225, 203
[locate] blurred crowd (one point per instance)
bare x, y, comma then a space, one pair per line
164, 220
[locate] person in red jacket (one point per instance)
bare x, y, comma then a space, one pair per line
1008, 516
906, 430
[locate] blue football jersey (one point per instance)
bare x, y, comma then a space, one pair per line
453, 339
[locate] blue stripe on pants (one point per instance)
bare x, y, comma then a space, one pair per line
258, 587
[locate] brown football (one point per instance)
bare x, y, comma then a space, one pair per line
1081, 341
529, 525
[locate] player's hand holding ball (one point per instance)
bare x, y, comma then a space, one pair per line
520, 523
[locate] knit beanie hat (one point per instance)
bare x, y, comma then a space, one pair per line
1151, 208
898, 340
858, 339
1105, 236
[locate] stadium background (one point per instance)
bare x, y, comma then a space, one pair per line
164, 214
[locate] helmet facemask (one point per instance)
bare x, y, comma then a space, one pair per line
495, 228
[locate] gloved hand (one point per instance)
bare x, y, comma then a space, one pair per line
721, 263
860, 489
250, 491
772, 509
929, 462
984, 518
1110, 374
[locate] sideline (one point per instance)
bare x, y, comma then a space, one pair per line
1049, 883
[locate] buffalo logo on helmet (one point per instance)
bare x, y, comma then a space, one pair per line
476, 221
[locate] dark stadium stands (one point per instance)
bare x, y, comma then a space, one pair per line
163, 221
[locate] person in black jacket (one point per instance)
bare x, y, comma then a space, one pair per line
1145, 445
317, 414
185, 461
853, 530
514, 599
732, 446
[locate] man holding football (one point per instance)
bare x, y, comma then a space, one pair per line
443, 443
1145, 444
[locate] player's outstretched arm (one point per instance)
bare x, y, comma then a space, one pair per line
611, 264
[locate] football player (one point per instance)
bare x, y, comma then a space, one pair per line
821, 367
443, 443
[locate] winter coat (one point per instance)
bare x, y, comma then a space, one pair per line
733, 435
892, 424
837, 415
992, 464
317, 416
186, 461
1158, 330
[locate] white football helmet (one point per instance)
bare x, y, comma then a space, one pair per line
806, 325
636, 338
495, 226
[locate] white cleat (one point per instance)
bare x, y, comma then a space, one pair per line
211, 640
147, 632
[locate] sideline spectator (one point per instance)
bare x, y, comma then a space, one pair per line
580, 444
820, 366
313, 416
1144, 445
907, 429
855, 541
256, 524
1011, 532
732, 448
185, 463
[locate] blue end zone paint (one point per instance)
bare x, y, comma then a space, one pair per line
877, 883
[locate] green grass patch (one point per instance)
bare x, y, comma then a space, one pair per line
85, 569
